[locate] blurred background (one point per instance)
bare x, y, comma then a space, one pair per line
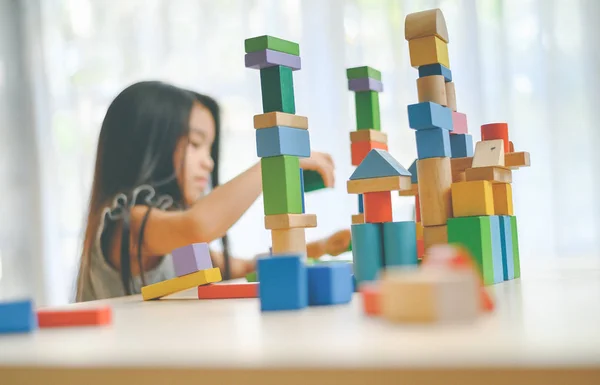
532, 63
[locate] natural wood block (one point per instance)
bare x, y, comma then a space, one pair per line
461, 164
428, 50
288, 241
493, 131
489, 153
459, 177
511, 146
490, 173
368, 136
472, 198
388, 183
417, 209
359, 150
426, 23
414, 190
378, 207
435, 179
288, 221
432, 89
514, 160
503, 200
276, 118
434, 295
435, 235
451, 96
358, 219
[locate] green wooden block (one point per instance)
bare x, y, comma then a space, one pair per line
515, 245
252, 277
260, 43
312, 181
363, 72
277, 85
474, 233
281, 185
367, 110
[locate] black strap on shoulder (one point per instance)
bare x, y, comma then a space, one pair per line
140, 244
126, 276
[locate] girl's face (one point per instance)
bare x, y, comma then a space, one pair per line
193, 153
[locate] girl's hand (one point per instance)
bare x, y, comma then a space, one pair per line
321, 163
338, 243
241, 267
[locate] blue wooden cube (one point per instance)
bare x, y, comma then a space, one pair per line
427, 115
282, 140
329, 284
497, 259
17, 317
436, 69
283, 283
507, 247
433, 143
461, 145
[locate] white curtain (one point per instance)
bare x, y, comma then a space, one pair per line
531, 63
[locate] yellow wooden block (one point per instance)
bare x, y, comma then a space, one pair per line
177, 284
289, 221
435, 179
358, 219
503, 200
489, 153
414, 190
368, 136
426, 23
277, 118
288, 241
435, 235
515, 160
428, 50
388, 183
473, 198
419, 227
432, 89
490, 173
451, 96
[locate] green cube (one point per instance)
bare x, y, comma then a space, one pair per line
515, 245
281, 185
363, 72
252, 277
475, 234
312, 181
277, 85
260, 43
367, 110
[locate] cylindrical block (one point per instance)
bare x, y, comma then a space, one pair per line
493, 131
399, 243
367, 251
432, 89
288, 241
435, 235
451, 96
435, 180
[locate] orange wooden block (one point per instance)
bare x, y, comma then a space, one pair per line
496, 131
378, 207
370, 298
228, 290
359, 150
420, 248
74, 317
417, 209
511, 147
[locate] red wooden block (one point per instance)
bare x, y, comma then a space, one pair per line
370, 299
378, 207
228, 290
417, 209
459, 123
496, 131
420, 248
74, 317
360, 149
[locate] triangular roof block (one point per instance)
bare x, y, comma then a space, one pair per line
377, 164
413, 172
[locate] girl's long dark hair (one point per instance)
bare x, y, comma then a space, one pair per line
137, 141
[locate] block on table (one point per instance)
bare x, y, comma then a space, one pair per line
283, 283
329, 284
191, 258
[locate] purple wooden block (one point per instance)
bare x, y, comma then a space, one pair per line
269, 58
191, 258
365, 84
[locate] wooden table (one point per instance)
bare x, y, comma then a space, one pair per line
546, 330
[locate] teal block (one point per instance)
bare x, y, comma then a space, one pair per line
277, 86
361, 206
435, 69
367, 251
507, 248
461, 145
414, 178
428, 115
378, 164
496, 249
400, 244
313, 181
282, 140
433, 143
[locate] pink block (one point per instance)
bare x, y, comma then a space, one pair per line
459, 123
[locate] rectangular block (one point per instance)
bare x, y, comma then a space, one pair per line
419, 228
174, 285
361, 208
497, 249
435, 235
428, 50
508, 262
459, 123
302, 190
517, 159
363, 72
191, 258
427, 115
475, 234
283, 283
496, 131
277, 86
359, 150
426, 23
290, 221
390, 183
451, 96
17, 317
435, 181
515, 244
503, 201
435, 69
370, 299
228, 291
400, 244
461, 145
365, 84
414, 191
489, 173
417, 208
367, 110
329, 284
461, 164
378, 207
260, 43
281, 185
270, 58
276, 118
432, 89
489, 153
433, 143
358, 219
368, 136
367, 251
288, 241
472, 198
281, 140
312, 181
75, 317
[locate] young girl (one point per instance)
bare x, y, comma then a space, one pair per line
157, 154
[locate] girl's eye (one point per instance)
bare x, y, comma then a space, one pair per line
196, 144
